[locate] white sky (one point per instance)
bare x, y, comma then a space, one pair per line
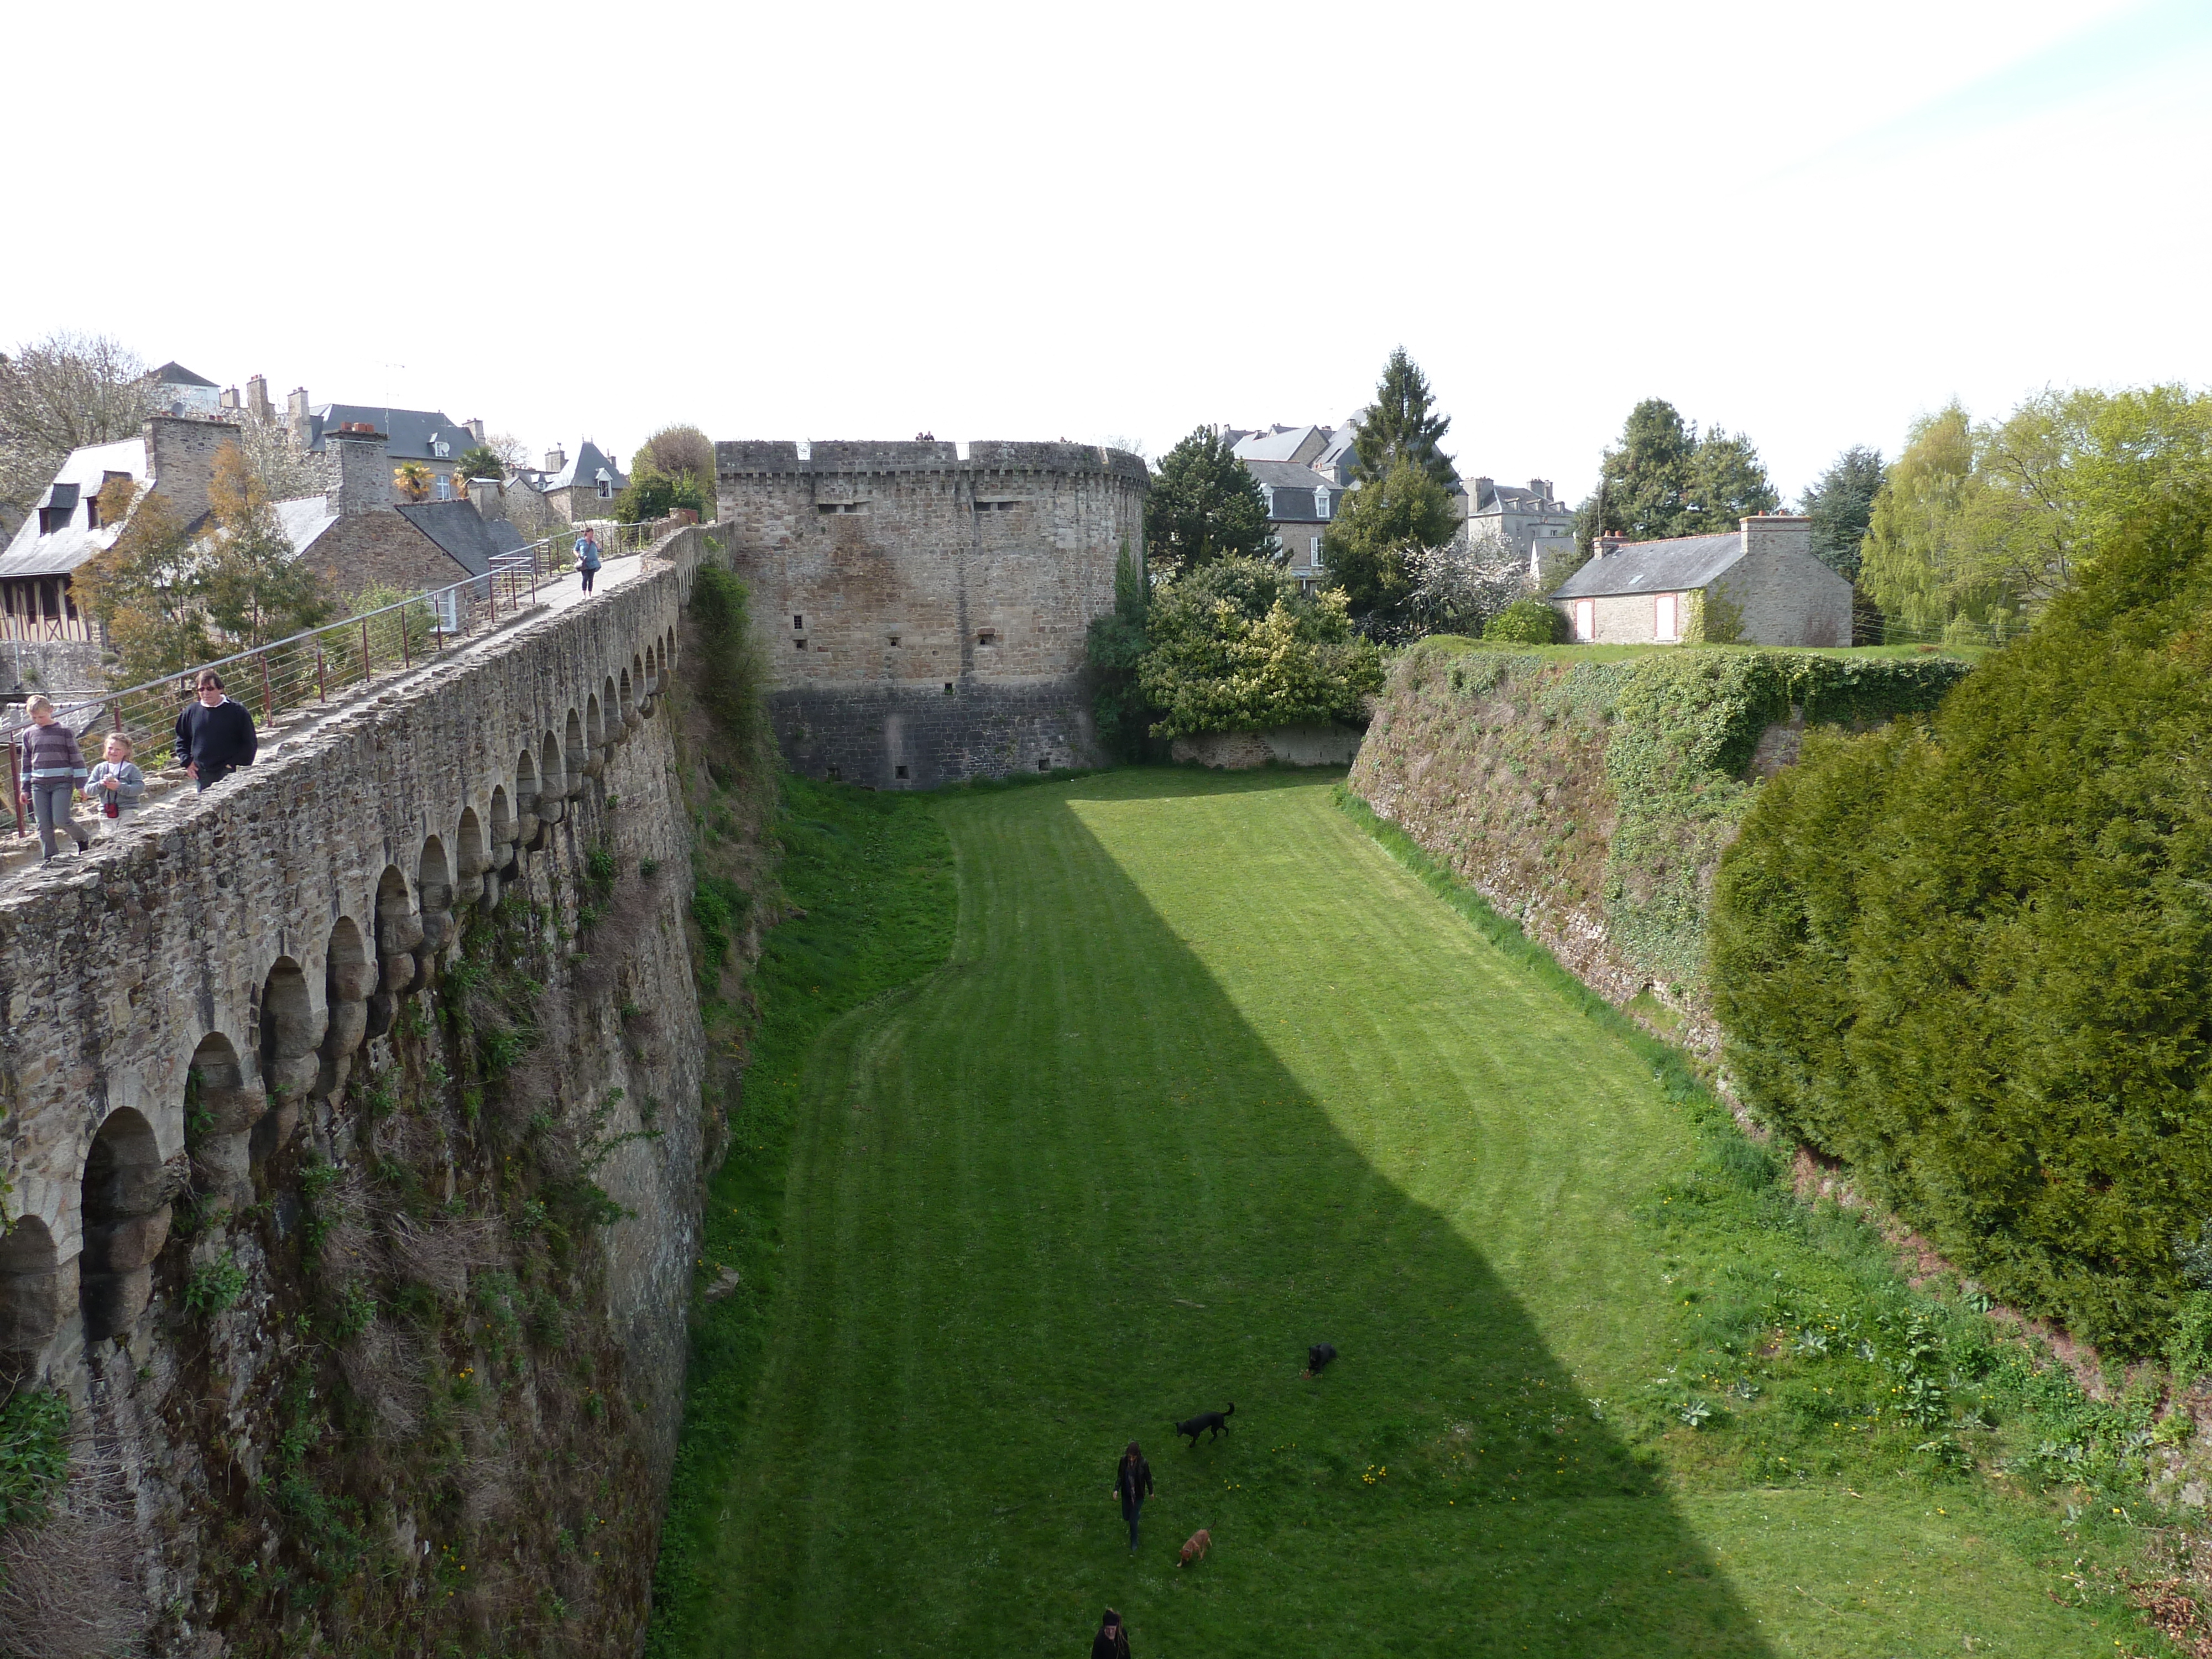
1806, 223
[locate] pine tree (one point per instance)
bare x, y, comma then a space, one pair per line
1840, 503
1204, 506
1402, 426
1664, 480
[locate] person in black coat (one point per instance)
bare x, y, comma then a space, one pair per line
1112, 1641
214, 734
1133, 1485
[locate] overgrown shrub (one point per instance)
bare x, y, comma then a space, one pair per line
729, 676
1527, 622
1234, 646
1973, 958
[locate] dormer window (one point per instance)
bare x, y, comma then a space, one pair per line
1320, 503
606, 485
1267, 494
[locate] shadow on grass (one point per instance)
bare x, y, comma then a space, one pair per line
1062, 1193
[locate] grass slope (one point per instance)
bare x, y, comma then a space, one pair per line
1207, 1077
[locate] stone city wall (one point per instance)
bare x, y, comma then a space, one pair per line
192, 1015
924, 616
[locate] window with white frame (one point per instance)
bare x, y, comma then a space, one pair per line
1313, 551
1586, 620
1320, 503
445, 487
1666, 617
1267, 494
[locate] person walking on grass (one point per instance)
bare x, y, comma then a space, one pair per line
52, 771
214, 735
1112, 1641
115, 785
587, 556
1133, 1485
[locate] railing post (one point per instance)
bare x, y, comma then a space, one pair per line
365, 669
14, 785
268, 697
406, 653
322, 677
118, 707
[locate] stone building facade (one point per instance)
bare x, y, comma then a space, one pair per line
924, 616
1760, 586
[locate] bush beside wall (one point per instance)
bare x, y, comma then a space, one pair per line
1974, 960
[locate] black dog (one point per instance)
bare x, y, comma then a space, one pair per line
1318, 1356
1217, 1421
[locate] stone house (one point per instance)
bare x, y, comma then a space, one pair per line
428, 436
580, 489
1759, 585
358, 537
1532, 521
49, 636
1302, 503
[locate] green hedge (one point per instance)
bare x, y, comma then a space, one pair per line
1973, 958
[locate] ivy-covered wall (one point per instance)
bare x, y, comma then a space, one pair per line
1592, 798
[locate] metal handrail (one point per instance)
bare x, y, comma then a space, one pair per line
305, 668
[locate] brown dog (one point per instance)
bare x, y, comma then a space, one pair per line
1200, 1541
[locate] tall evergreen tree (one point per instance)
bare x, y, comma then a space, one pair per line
1840, 503
1402, 425
1664, 480
1204, 506
1368, 552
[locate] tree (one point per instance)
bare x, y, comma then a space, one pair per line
480, 461
1983, 525
1232, 646
1527, 622
514, 454
1400, 426
1970, 957
61, 393
413, 479
1204, 506
145, 591
653, 494
255, 588
1664, 480
681, 452
1114, 647
1367, 551
1459, 585
1840, 504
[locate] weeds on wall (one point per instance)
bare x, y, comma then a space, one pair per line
1606, 790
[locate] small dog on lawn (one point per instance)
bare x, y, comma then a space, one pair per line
1200, 1541
1317, 1356
1216, 1421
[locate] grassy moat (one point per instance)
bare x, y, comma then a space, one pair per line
1083, 1106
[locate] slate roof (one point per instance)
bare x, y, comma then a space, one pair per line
175, 373
414, 434
584, 468
303, 520
469, 539
1293, 486
1679, 565
1281, 444
30, 554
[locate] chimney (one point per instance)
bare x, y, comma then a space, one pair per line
230, 398
1608, 544
256, 398
298, 417
556, 459
488, 496
362, 470
1486, 491
1777, 532
1542, 487
476, 428
181, 453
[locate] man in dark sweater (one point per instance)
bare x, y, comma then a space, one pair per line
214, 734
